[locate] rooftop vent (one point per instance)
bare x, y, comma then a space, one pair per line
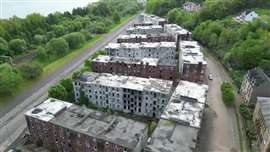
36, 111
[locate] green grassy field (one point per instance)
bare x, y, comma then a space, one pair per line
52, 66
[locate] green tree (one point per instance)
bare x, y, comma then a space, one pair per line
30, 71
41, 53
86, 34
227, 93
9, 79
59, 30
116, 17
75, 40
57, 46
3, 47
58, 92
17, 46
68, 85
39, 39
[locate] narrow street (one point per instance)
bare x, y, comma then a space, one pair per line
219, 129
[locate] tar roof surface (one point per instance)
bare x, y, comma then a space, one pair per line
115, 129
128, 82
172, 137
112, 59
187, 104
141, 45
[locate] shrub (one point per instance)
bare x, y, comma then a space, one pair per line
227, 93
9, 79
57, 46
17, 45
151, 127
75, 39
58, 92
30, 71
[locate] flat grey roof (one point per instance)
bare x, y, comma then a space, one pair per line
111, 59
128, 82
187, 103
114, 129
141, 45
172, 137
126, 60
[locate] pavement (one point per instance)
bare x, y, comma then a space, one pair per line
12, 122
219, 131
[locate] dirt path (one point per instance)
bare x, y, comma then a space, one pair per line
219, 129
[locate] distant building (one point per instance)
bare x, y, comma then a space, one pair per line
146, 67
261, 120
191, 7
192, 64
62, 126
148, 18
247, 16
153, 29
180, 123
135, 95
165, 51
255, 84
178, 32
139, 38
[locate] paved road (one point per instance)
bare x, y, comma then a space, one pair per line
219, 129
12, 121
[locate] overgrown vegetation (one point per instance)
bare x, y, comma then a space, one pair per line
88, 63
246, 112
227, 93
53, 37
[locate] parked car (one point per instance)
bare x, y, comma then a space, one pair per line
210, 76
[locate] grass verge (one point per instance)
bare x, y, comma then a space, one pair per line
239, 130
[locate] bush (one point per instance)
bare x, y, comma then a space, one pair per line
57, 46
30, 71
75, 39
40, 39
97, 53
237, 77
58, 92
86, 34
227, 93
17, 46
151, 127
68, 85
41, 53
3, 47
9, 79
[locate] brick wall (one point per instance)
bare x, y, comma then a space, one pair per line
193, 72
140, 70
57, 138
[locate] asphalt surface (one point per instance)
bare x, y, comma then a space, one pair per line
219, 132
12, 122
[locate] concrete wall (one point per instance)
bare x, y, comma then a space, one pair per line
145, 103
